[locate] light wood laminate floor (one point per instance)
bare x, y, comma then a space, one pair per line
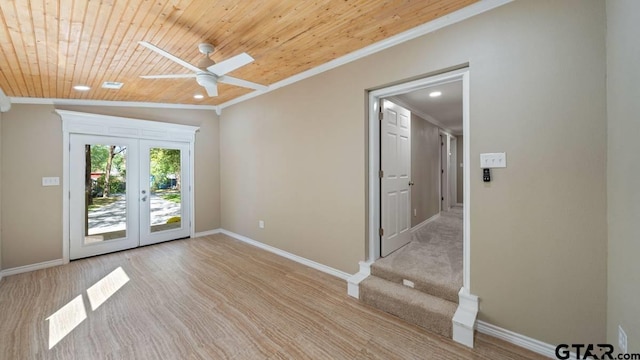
208, 298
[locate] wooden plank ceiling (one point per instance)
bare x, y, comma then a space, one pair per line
48, 46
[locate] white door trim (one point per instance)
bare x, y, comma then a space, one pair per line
96, 124
374, 162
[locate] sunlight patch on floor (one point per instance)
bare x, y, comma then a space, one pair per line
68, 317
107, 286
63, 321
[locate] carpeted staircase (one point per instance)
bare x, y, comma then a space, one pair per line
420, 282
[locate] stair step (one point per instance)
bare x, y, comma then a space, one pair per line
427, 311
441, 289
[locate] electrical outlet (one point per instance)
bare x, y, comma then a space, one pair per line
622, 340
408, 283
261, 224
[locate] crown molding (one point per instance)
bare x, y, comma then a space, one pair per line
426, 28
82, 102
5, 102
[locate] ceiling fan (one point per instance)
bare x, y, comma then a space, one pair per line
207, 72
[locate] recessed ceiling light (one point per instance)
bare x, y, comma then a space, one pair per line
81, 87
198, 96
435, 94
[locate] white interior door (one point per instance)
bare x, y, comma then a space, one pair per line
102, 219
164, 191
396, 175
147, 200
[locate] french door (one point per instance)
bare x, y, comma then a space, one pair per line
125, 193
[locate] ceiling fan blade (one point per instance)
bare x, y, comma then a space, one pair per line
168, 76
169, 56
230, 64
212, 90
239, 82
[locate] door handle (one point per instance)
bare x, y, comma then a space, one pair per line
144, 198
411, 183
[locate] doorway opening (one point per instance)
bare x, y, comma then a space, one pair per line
450, 179
417, 200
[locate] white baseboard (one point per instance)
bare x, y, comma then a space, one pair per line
208, 232
353, 282
464, 320
32, 267
422, 224
299, 259
523, 341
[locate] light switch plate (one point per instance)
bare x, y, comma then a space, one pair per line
493, 160
51, 181
261, 224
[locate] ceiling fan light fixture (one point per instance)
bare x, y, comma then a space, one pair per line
207, 76
206, 50
205, 62
206, 79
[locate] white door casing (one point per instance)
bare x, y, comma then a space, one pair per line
374, 166
123, 128
468, 303
396, 176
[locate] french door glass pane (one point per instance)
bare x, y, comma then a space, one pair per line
105, 192
165, 185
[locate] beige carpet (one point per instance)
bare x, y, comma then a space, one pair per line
432, 260
430, 312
